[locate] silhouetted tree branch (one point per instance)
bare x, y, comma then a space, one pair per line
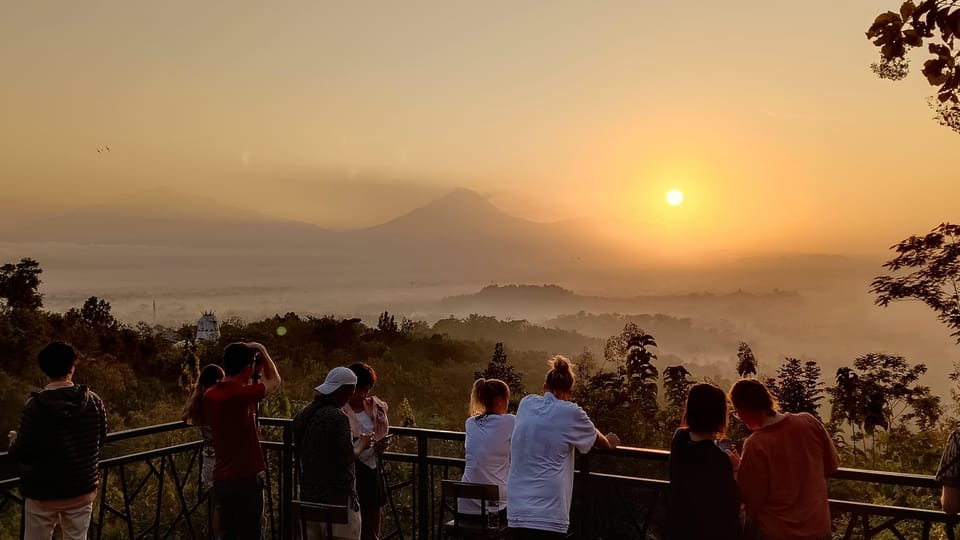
935, 23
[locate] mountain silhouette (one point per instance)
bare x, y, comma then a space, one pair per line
464, 232
461, 210
459, 234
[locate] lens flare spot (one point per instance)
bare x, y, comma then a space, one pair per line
281, 330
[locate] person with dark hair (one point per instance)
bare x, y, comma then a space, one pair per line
548, 430
230, 408
57, 450
487, 448
193, 414
704, 501
327, 453
784, 467
368, 414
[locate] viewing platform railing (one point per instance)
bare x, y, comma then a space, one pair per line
150, 488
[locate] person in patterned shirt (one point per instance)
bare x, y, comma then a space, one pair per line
948, 475
327, 453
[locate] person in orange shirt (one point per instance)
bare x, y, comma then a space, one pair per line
784, 467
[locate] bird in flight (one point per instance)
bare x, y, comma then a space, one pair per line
102, 149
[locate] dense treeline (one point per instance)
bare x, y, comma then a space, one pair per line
142, 372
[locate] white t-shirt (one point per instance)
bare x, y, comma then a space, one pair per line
368, 456
487, 456
541, 468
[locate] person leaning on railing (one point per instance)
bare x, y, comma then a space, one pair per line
193, 414
548, 430
948, 474
784, 467
704, 501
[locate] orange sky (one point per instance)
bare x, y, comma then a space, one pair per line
347, 113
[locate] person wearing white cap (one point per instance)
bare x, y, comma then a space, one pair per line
327, 454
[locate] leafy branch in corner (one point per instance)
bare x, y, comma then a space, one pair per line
936, 24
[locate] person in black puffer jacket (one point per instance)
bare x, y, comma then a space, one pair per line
57, 450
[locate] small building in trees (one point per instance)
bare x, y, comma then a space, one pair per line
208, 328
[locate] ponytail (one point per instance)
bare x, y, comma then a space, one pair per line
484, 395
193, 410
560, 377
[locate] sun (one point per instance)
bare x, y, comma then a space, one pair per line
674, 197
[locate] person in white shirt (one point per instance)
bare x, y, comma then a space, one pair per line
548, 429
368, 414
489, 431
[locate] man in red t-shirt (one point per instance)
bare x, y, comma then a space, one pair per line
230, 407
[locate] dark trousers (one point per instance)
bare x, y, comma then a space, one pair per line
241, 508
535, 534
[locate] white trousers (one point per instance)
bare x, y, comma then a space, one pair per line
39, 521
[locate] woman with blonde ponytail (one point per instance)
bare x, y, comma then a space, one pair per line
548, 430
489, 431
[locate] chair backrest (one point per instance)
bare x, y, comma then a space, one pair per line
453, 490
468, 490
327, 514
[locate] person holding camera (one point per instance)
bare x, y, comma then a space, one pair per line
230, 408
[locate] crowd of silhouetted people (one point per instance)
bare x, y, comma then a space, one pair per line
774, 487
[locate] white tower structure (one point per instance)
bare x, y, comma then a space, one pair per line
208, 328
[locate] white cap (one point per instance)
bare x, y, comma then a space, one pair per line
337, 377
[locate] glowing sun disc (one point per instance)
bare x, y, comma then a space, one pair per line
674, 197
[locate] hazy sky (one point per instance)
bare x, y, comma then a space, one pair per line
345, 113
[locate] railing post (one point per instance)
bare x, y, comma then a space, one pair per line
584, 507
423, 493
286, 482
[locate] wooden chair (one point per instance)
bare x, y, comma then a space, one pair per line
304, 511
469, 526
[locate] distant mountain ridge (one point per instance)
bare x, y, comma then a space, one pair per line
460, 237
525, 300
460, 233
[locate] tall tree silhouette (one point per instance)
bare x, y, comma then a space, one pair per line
20, 283
637, 377
640, 378
499, 368
387, 325
798, 387
676, 385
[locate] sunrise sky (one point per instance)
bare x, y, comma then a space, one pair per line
344, 114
